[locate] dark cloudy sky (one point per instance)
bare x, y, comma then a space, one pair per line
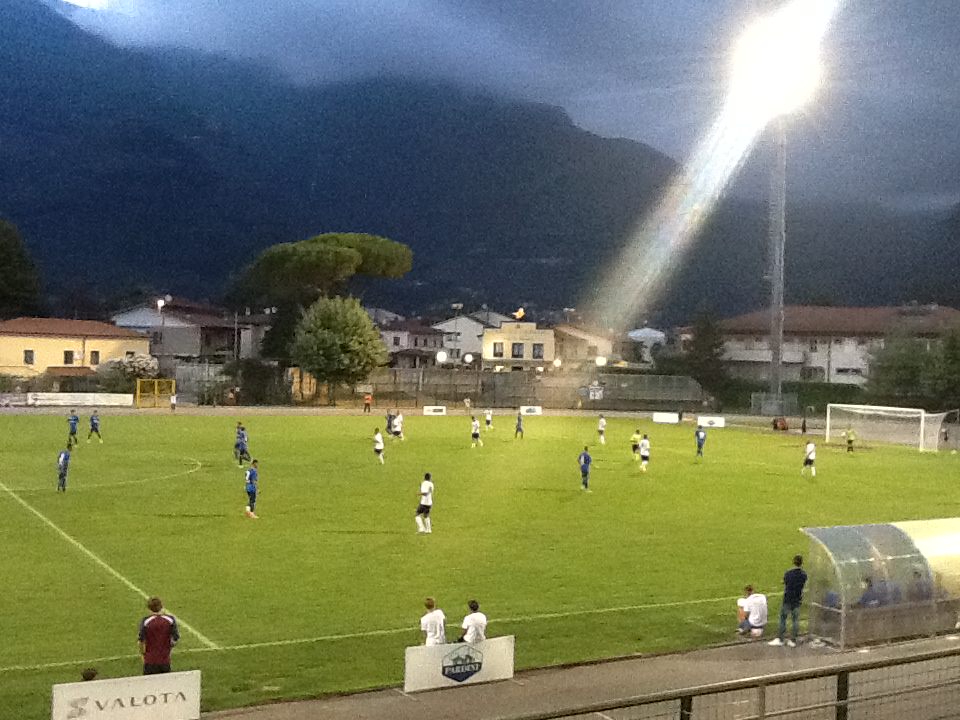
886, 125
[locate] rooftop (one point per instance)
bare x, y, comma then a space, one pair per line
412, 326
823, 320
62, 327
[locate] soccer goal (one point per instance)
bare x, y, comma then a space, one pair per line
155, 393
902, 426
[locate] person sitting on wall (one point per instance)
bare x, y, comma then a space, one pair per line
751, 613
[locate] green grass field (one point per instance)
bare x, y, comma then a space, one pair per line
324, 591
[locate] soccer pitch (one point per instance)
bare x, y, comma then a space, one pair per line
323, 592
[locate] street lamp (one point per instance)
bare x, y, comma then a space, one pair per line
468, 358
557, 362
441, 357
776, 70
601, 361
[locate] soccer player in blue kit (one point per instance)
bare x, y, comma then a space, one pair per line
73, 422
251, 480
63, 465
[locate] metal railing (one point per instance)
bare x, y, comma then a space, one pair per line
925, 686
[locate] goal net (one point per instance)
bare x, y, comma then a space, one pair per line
902, 426
155, 393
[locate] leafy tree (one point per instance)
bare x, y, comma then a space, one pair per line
336, 342
902, 369
20, 285
704, 359
291, 276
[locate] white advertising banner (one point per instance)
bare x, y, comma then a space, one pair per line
434, 409
711, 421
531, 410
666, 418
428, 667
170, 696
80, 399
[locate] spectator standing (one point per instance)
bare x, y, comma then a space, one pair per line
751, 612
793, 582
432, 624
159, 632
367, 403
474, 625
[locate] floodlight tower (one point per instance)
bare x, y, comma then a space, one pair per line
776, 71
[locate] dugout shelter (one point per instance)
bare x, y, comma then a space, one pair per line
874, 583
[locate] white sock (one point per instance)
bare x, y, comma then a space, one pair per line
381, 458
420, 526
603, 440
426, 522
813, 472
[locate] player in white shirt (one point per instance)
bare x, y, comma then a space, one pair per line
398, 425
432, 624
475, 432
488, 416
602, 429
644, 452
751, 611
426, 504
809, 459
378, 444
474, 625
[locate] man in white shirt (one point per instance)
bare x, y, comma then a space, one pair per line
475, 432
644, 452
398, 425
432, 624
488, 416
602, 429
809, 459
751, 612
378, 444
474, 625
426, 504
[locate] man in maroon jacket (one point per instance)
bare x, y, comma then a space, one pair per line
158, 634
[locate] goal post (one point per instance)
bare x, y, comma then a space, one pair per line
898, 425
155, 392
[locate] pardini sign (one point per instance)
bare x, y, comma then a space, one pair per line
439, 666
171, 696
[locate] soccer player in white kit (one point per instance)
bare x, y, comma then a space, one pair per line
378, 444
432, 624
475, 432
398, 425
602, 429
644, 452
809, 459
488, 416
426, 505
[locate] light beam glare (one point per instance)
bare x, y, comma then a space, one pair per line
657, 248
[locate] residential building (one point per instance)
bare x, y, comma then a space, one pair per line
826, 344
382, 317
463, 335
183, 330
64, 348
517, 346
577, 346
412, 344
490, 318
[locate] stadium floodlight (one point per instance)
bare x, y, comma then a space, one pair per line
441, 357
468, 358
776, 62
600, 360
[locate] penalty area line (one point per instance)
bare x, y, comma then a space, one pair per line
374, 633
101, 562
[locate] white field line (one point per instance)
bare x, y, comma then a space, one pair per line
102, 563
374, 633
197, 465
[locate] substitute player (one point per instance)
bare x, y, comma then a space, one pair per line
63, 465
475, 432
252, 486
73, 422
426, 505
635, 444
584, 460
95, 427
378, 445
809, 459
701, 436
602, 429
644, 452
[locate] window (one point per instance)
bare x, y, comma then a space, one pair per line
850, 371
516, 350
396, 341
28, 357
813, 345
538, 351
498, 349
129, 354
94, 357
68, 357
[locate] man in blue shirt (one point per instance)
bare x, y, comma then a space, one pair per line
793, 582
252, 476
584, 460
94, 427
701, 436
73, 422
63, 465
241, 448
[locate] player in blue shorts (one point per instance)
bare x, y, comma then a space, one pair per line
73, 422
701, 436
584, 460
63, 465
241, 448
94, 427
251, 480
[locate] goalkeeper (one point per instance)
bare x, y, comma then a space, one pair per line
851, 437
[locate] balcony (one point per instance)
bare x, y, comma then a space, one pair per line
763, 355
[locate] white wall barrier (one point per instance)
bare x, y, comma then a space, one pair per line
712, 421
171, 696
80, 399
666, 418
531, 410
434, 409
441, 666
